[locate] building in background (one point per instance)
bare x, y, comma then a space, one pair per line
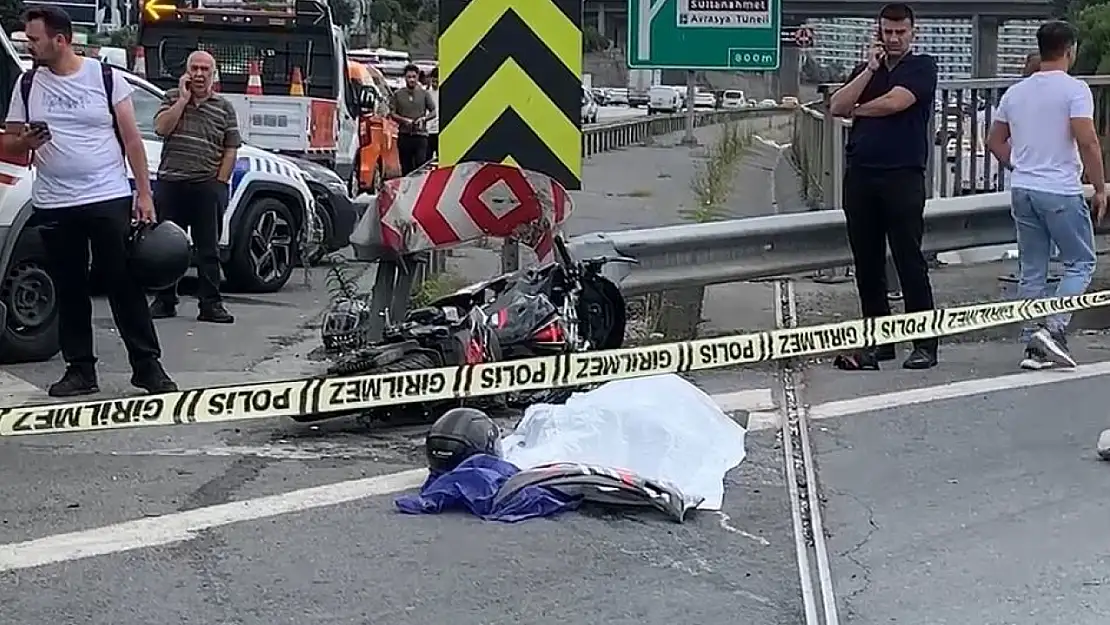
840, 43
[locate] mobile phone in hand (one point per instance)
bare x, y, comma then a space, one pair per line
40, 128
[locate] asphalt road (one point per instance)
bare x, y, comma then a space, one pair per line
976, 501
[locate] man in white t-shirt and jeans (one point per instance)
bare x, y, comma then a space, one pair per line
82, 197
1044, 133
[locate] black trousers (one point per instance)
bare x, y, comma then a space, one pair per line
888, 206
67, 235
200, 207
413, 150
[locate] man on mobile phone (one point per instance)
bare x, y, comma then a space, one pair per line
890, 100
198, 156
412, 108
1044, 132
77, 117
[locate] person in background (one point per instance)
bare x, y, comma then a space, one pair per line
1032, 64
433, 123
82, 197
890, 100
412, 108
201, 140
1044, 133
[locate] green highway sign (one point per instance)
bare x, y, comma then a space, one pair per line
724, 35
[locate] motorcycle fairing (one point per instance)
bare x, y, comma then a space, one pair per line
603, 485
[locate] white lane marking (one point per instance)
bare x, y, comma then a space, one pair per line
751, 400
955, 390
183, 526
15, 391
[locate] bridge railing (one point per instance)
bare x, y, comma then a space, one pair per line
959, 164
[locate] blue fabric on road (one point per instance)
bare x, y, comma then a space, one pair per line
471, 487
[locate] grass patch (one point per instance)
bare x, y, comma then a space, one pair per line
713, 178
435, 287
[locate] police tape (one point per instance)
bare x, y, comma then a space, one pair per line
320, 395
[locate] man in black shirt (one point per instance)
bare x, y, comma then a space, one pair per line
890, 100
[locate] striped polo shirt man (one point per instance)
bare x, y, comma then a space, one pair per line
200, 141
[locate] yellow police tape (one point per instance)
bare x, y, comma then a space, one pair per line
324, 395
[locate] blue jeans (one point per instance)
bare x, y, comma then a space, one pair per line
1044, 220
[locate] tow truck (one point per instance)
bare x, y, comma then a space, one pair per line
283, 65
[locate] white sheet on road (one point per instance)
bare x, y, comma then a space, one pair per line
660, 427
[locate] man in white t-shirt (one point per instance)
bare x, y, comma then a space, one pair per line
1045, 134
82, 196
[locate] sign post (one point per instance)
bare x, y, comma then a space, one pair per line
714, 35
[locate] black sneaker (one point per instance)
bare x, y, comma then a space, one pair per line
77, 380
152, 378
215, 313
921, 358
162, 310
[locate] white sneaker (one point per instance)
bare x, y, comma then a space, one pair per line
1104, 445
1054, 348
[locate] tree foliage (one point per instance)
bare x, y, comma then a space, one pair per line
1093, 21
344, 12
11, 12
396, 20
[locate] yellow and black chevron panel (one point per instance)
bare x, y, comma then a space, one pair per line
510, 87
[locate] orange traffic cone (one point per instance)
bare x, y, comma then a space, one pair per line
216, 81
140, 62
296, 85
254, 80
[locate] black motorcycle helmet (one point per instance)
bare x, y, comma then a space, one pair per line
159, 254
459, 434
346, 325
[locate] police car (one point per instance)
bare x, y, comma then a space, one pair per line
270, 226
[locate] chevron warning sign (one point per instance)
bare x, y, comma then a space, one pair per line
511, 84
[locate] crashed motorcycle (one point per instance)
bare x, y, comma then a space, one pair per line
563, 306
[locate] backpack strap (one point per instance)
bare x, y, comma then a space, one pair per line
25, 83
109, 89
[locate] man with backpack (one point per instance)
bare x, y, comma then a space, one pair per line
76, 115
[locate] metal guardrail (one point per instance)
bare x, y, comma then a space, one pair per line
699, 255
960, 163
613, 135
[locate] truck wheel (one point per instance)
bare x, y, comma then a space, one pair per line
265, 248
28, 292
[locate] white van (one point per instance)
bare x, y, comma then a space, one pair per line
663, 99
733, 99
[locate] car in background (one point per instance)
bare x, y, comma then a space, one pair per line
663, 99
601, 96
618, 96
704, 100
589, 107
790, 101
733, 99
767, 103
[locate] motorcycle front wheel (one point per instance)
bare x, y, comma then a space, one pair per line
409, 362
